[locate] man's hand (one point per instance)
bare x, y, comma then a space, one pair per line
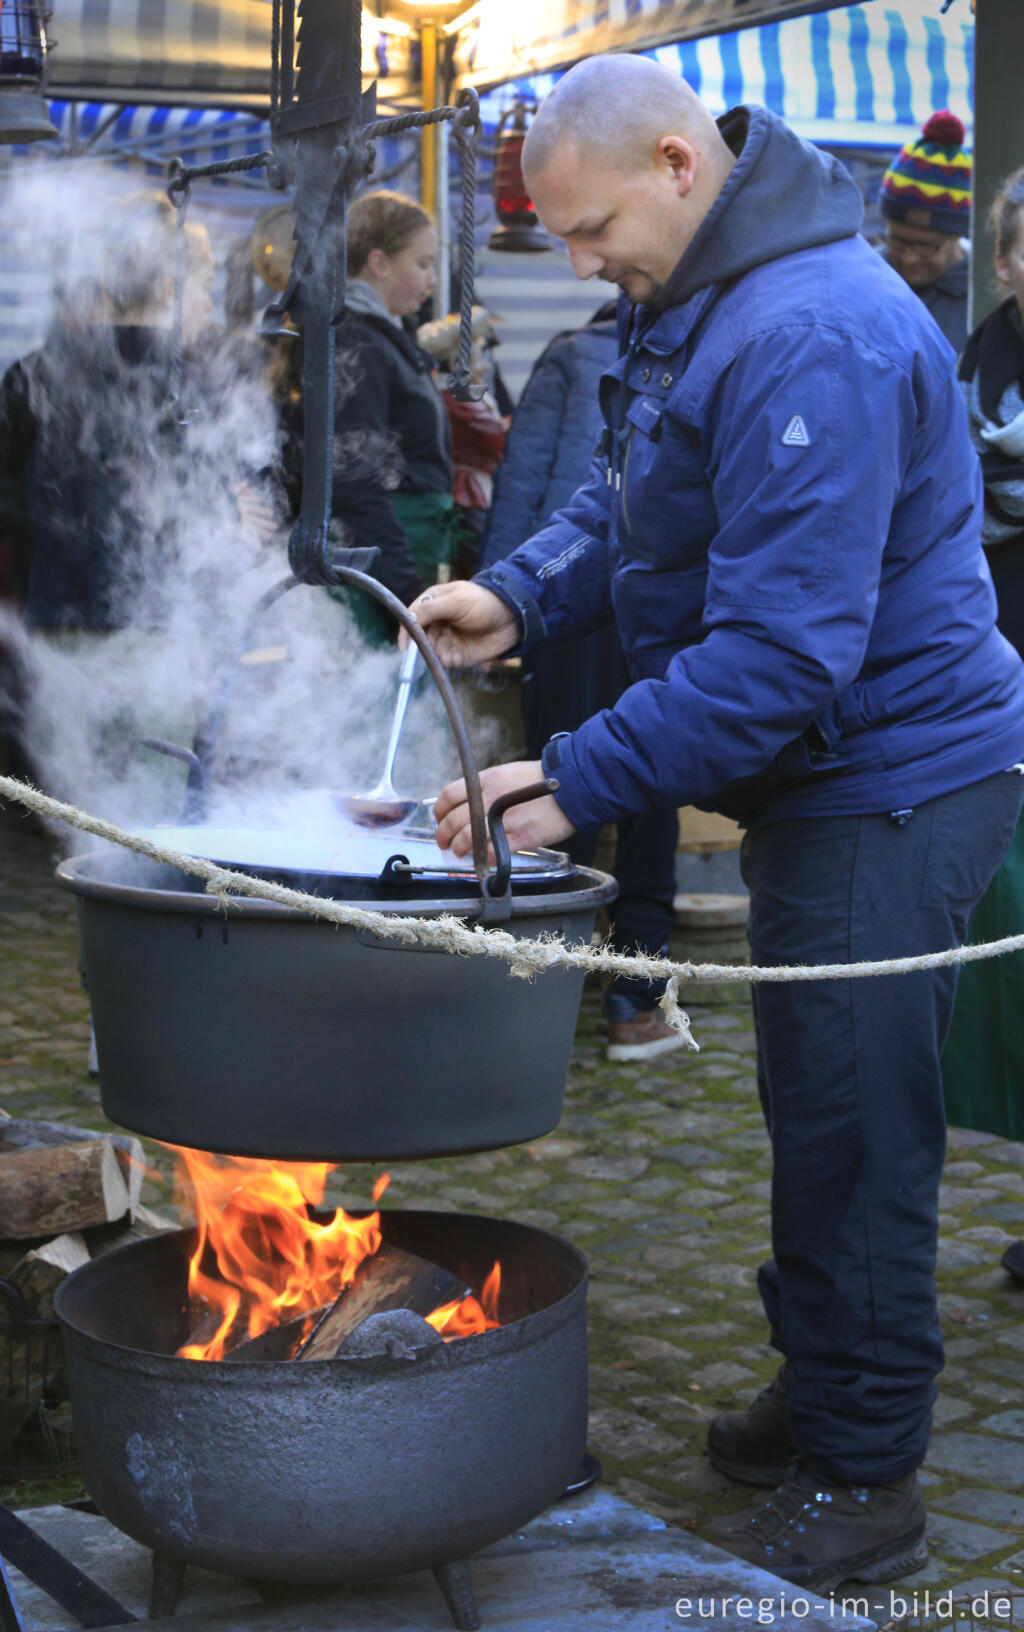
465, 623
538, 822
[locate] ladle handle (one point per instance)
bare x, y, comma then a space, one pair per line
406, 676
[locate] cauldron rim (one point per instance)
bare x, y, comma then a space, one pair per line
462, 1351
79, 875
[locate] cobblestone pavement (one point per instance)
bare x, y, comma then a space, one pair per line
660, 1172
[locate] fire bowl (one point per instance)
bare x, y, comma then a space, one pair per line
333, 1470
257, 1030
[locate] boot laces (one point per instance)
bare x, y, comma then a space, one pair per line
785, 1508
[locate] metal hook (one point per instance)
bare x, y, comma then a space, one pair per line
177, 182
467, 124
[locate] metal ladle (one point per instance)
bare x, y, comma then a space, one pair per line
382, 806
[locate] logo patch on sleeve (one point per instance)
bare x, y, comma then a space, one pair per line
795, 434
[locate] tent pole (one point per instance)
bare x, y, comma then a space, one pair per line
428, 150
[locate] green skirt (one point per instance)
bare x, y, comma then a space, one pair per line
983, 1061
428, 522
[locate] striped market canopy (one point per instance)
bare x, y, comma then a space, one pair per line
864, 75
825, 68
867, 74
213, 53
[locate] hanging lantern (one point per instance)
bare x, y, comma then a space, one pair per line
23, 112
518, 229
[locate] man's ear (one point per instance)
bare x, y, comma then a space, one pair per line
680, 155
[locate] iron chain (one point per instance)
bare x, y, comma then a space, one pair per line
467, 134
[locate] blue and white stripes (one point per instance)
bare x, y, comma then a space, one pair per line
867, 74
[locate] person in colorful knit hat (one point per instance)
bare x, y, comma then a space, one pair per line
926, 205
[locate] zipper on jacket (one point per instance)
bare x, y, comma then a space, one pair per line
620, 437
603, 449
627, 441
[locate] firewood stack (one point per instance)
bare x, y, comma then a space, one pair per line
66, 1195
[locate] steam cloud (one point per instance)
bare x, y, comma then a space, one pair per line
311, 704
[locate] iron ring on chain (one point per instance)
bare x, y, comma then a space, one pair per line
177, 183
467, 124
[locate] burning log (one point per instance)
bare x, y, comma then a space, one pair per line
389, 1279
278, 1343
52, 1189
264, 1268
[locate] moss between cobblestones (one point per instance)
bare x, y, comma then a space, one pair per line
660, 1172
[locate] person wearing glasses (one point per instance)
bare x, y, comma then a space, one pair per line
926, 206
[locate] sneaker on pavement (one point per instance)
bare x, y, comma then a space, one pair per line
755, 1446
637, 1034
817, 1533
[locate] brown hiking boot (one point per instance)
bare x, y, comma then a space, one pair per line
817, 1533
755, 1446
643, 1035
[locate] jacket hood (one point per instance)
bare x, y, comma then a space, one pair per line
363, 298
782, 195
379, 319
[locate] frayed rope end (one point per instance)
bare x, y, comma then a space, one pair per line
676, 1017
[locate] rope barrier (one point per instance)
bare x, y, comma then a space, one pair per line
525, 957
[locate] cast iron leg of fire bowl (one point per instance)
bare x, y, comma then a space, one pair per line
454, 1581
456, 1584
168, 1576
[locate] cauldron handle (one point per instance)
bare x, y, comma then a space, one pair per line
497, 901
206, 737
474, 793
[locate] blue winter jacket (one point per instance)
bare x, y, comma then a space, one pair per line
784, 520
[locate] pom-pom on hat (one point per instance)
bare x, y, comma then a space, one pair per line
931, 177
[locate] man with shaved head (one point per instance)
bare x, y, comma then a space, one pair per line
783, 518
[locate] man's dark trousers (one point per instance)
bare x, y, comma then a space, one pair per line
852, 1093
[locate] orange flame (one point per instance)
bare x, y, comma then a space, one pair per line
465, 1316
273, 1262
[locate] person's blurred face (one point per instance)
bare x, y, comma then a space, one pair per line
404, 281
1010, 267
919, 254
629, 227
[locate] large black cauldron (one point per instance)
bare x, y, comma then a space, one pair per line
340, 1469
261, 1031
258, 1030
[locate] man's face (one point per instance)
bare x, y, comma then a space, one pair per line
627, 227
919, 254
